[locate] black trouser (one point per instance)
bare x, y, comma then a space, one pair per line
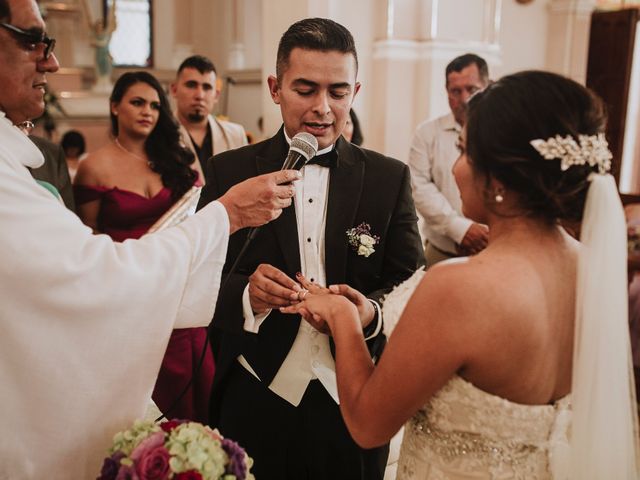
309, 441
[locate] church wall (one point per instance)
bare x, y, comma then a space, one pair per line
402, 75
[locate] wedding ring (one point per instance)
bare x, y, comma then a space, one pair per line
302, 294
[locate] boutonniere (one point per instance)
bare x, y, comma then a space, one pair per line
362, 240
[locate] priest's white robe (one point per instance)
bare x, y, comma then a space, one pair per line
85, 321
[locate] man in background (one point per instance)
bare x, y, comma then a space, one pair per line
445, 231
196, 91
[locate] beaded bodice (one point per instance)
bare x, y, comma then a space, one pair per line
464, 432
463, 429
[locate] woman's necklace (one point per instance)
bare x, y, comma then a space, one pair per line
148, 162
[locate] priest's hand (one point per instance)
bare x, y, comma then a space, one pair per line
260, 199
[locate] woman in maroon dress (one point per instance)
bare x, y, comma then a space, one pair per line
122, 189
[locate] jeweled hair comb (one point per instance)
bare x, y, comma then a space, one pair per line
593, 150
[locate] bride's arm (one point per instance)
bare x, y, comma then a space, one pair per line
426, 349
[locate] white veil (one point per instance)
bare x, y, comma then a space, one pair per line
604, 431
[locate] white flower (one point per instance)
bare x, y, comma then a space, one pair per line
367, 240
365, 251
362, 240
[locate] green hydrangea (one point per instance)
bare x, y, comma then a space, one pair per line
193, 448
127, 440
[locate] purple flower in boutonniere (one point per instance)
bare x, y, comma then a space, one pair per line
362, 240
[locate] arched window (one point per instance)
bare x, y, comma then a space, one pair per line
131, 44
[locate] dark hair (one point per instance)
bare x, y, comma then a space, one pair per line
168, 157
314, 34
73, 139
200, 63
5, 11
356, 137
504, 118
463, 61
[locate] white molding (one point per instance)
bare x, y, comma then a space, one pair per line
572, 6
413, 50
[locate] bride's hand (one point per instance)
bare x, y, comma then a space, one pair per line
323, 310
366, 311
309, 286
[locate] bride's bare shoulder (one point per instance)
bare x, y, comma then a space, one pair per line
462, 283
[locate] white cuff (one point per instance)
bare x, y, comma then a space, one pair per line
457, 228
251, 322
378, 318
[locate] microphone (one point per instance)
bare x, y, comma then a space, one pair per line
302, 149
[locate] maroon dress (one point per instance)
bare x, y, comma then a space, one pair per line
125, 214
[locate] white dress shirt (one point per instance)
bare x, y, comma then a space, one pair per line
85, 320
310, 356
435, 193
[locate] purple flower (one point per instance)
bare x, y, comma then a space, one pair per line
111, 466
151, 458
127, 472
237, 455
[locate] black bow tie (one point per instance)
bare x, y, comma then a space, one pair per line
329, 159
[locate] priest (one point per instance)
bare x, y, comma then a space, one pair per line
84, 320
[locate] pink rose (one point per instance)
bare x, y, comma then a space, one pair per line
151, 458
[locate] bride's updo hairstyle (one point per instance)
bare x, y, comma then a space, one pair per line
510, 113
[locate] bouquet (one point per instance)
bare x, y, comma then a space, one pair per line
174, 449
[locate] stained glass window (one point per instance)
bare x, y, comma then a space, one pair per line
131, 42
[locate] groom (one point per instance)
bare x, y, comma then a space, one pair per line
275, 387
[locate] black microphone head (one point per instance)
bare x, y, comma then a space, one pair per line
305, 144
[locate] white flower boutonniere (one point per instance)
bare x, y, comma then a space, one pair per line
362, 240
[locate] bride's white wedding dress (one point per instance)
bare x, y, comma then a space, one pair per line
465, 433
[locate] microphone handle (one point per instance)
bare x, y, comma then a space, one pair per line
292, 161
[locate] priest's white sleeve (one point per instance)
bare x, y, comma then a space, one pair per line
85, 321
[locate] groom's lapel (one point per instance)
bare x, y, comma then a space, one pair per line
345, 191
285, 226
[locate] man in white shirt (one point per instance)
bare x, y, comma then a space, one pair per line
84, 320
275, 387
445, 230
196, 91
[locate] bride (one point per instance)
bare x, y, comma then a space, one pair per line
513, 363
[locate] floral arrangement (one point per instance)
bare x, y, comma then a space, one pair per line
175, 449
362, 240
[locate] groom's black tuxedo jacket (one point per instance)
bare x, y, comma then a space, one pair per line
365, 186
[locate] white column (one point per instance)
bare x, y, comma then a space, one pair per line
416, 39
236, 47
568, 37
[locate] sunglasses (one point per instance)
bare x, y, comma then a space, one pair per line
31, 38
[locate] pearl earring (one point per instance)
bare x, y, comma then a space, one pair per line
499, 198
